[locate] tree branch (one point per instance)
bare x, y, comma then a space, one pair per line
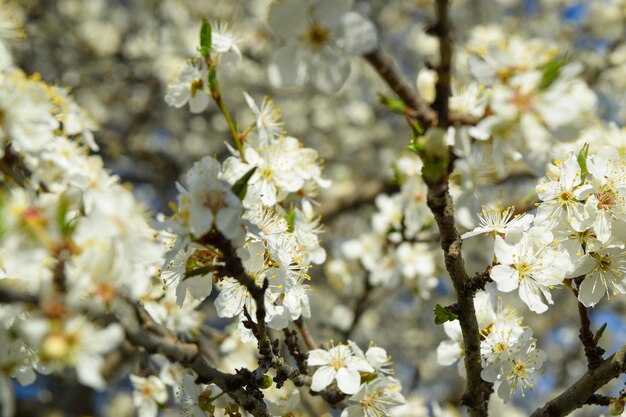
389, 72
168, 345
304, 332
440, 203
593, 352
582, 391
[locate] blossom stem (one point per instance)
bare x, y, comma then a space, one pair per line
218, 98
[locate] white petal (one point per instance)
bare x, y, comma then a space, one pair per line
504, 251
322, 378
591, 291
318, 357
199, 286
358, 34
199, 102
329, 70
288, 18
448, 352
288, 67
348, 381
529, 294
506, 278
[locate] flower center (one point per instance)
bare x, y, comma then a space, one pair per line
195, 86
499, 347
318, 36
522, 101
337, 364
519, 368
105, 292
523, 270
267, 174
566, 196
606, 199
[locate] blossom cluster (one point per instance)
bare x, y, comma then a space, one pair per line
576, 233
72, 236
364, 376
508, 350
398, 249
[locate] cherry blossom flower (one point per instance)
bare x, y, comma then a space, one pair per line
531, 265
337, 363
315, 40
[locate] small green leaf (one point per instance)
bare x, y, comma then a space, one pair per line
394, 104
582, 161
290, 216
442, 315
599, 333
367, 377
205, 39
240, 188
552, 70
65, 226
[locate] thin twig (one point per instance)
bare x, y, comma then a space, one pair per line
359, 308
304, 332
389, 72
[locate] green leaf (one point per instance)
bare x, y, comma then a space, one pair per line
582, 161
240, 188
65, 226
552, 70
599, 333
205, 39
290, 216
394, 104
367, 377
442, 315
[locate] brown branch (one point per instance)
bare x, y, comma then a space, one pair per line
291, 340
304, 332
168, 345
389, 72
582, 391
478, 282
417, 108
440, 203
269, 352
442, 86
593, 352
